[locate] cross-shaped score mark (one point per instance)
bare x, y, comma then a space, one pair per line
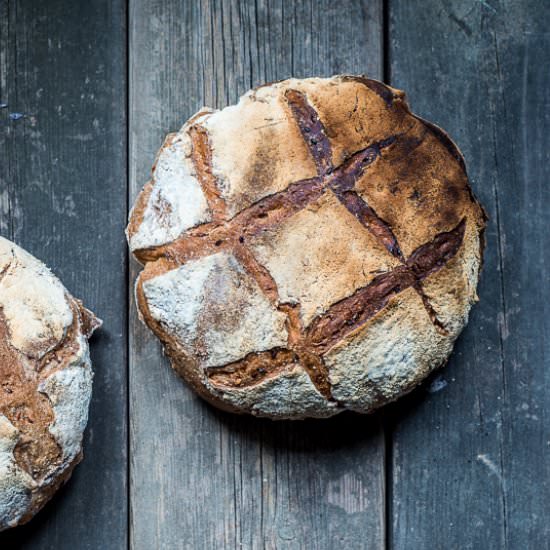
343, 184
305, 345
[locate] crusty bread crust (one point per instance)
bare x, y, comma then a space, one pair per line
45, 383
312, 249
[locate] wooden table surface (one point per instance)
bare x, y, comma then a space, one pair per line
461, 463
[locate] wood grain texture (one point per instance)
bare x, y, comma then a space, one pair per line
63, 198
471, 463
201, 478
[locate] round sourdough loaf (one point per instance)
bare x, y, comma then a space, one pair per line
45, 383
312, 249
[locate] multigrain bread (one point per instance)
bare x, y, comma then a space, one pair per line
312, 249
45, 383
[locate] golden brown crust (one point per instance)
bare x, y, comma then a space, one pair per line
203, 166
28, 410
45, 384
25, 406
382, 173
136, 217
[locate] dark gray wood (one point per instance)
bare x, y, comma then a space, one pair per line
63, 197
471, 463
200, 478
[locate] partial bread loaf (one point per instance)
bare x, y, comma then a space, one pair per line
312, 249
45, 383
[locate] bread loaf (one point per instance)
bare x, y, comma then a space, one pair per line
45, 383
312, 249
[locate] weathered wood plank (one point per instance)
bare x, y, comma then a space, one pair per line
471, 463
63, 197
201, 478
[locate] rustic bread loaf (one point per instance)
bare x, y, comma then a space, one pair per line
45, 383
312, 249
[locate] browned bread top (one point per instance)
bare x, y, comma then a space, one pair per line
45, 383
312, 249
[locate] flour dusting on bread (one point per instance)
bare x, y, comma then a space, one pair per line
46, 383
339, 262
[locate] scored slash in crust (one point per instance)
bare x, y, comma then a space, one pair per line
45, 383
306, 345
